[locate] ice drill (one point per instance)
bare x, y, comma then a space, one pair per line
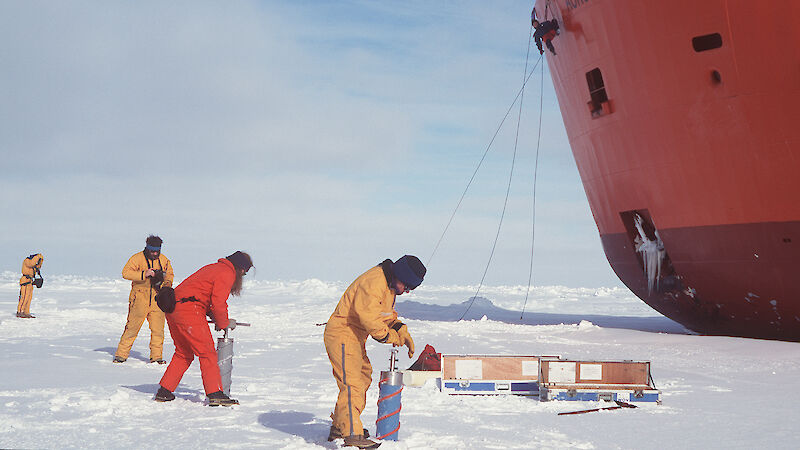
225, 358
389, 403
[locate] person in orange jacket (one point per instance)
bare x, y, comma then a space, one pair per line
366, 309
148, 271
30, 268
204, 293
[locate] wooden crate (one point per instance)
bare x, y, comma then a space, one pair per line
491, 374
597, 380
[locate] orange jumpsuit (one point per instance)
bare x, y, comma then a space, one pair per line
29, 267
205, 291
142, 304
366, 309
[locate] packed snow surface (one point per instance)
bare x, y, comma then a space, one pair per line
60, 389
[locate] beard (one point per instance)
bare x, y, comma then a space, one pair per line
236, 289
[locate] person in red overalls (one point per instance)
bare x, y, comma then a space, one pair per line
205, 292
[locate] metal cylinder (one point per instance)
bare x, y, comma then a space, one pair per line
389, 405
225, 361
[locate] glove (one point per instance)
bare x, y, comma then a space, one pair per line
405, 338
231, 324
541, 52
392, 338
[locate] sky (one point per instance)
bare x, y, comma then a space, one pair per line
321, 137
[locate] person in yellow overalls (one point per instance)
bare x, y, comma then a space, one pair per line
366, 309
30, 268
148, 271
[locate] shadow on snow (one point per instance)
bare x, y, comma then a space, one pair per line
113, 350
484, 307
180, 393
297, 423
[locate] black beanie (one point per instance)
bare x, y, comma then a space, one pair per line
410, 270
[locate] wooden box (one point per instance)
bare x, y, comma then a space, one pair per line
491, 374
628, 381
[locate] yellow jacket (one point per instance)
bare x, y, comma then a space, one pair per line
29, 266
365, 309
138, 264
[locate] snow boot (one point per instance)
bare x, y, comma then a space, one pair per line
359, 441
159, 361
336, 433
220, 399
119, 359
163, 395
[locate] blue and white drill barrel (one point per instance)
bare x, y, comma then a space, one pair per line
389, 405
225, 361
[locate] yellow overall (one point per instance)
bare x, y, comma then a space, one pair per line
29, 267
366, 309
142, 304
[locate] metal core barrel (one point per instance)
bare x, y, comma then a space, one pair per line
389, 405
225, 361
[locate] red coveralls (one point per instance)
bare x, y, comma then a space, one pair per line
205, 290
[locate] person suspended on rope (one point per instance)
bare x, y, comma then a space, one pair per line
545, 31
366, 309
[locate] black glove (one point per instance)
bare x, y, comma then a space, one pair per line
541, 52
157, 279
231, 324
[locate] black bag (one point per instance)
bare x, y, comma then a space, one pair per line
38, 282
166, 299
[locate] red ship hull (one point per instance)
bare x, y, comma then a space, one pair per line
684, 121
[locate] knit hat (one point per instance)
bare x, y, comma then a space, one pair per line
240, 260
410, 270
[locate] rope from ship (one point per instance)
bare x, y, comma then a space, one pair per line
546, 8
535, 172
480, 162
525, 79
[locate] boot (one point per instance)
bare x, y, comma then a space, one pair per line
220, 399
119, 359
163, 395
19, 314
359, 441
336, 433
159, 361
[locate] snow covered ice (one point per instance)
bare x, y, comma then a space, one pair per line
60, 389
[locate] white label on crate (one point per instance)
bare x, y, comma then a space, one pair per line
530, 368
561, 372
591, 371
469, 369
